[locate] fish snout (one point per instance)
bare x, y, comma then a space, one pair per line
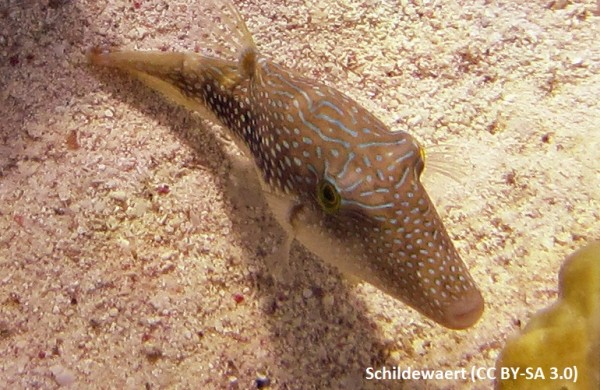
465, 312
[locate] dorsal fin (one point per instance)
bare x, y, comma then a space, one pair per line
233, 40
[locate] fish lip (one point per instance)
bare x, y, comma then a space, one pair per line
465, 312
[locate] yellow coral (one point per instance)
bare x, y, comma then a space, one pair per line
563, 340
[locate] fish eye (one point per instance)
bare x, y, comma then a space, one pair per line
328, 196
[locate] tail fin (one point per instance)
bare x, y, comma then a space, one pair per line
169, 73
227, 45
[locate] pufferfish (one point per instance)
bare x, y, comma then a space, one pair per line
335, 177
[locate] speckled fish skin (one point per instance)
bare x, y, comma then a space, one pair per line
337, 179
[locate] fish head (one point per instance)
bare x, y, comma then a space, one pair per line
371, 216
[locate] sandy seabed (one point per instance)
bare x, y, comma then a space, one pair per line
126, 263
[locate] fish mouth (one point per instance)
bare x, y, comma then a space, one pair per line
465, 312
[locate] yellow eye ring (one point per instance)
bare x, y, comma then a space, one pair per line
328, 196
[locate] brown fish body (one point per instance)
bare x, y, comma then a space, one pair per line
336, 178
